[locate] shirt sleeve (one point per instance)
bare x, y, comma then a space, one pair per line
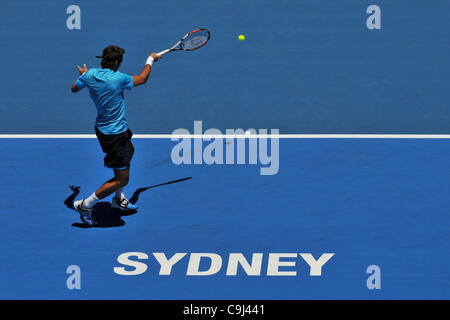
81, 81
127, 81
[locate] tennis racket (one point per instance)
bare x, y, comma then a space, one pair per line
192, 41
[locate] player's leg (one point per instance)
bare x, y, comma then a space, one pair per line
120, 180
129, 155
119, 201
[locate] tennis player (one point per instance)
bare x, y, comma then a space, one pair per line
106, 85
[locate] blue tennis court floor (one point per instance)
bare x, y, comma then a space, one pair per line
380, 202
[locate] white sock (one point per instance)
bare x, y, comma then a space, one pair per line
119, 194
89, 202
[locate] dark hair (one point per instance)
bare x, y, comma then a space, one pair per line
112, 57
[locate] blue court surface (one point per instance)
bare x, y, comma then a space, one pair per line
370, 202
305, 67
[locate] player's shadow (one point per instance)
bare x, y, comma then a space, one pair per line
104, 215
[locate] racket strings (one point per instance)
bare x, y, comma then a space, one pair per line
195, 40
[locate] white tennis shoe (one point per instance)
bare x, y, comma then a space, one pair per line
123, 204
85, 213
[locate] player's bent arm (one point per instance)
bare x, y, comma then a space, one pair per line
81, 71
145, 73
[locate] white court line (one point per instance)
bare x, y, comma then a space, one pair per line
223, 136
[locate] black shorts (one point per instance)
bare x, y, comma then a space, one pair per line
118, 148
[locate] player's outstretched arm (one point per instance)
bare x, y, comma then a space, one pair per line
145, 73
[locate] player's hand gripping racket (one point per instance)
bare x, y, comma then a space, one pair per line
192, 41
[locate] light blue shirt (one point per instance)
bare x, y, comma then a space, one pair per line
106, 90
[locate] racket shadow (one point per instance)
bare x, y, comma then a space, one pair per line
135, 197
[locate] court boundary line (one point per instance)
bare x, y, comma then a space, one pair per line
235, 136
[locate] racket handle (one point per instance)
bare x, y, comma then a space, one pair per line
163, 52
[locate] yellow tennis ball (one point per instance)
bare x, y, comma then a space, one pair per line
241, 37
